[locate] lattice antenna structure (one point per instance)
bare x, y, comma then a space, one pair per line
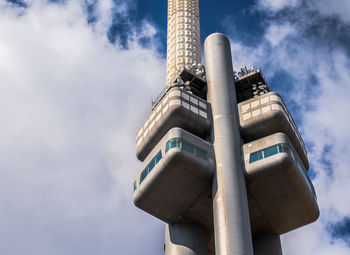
183, 42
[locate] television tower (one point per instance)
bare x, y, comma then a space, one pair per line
223, 163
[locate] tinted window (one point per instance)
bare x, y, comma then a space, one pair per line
256, 156
150, 166
187, 147
173, 143
201, 154
158, 157
270, 151
179, 143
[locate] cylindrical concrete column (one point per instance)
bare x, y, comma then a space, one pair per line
230, 204
267, 244
185, 239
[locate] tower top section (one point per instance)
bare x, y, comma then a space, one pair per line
183, 42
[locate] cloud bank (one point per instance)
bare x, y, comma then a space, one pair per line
303, 55
70, 104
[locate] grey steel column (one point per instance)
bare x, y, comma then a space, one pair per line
230, 204
185, 239
267, 244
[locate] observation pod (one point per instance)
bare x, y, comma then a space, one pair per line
176, 108
281, 195
174, 175
265, 115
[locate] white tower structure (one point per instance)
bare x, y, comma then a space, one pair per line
223, 163
183, 44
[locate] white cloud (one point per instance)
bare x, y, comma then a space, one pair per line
277, 33
326, 127
335, 8
277, 5
70, 104
320, 85
312, 240
329, 118
245, 56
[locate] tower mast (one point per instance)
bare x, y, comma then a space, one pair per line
183, 42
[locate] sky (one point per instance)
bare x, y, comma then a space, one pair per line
77, 78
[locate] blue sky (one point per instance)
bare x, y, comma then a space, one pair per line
214, 18
77, 79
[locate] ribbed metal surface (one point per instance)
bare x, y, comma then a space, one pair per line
183, 44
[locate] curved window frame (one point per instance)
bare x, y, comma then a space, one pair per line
281, 147
303, 173
186, 146
155, 160
271, 151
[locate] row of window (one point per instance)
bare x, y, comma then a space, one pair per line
173, 66
180, 10
186, 46
186, 53
150, 166
249, 106
270, 151
181, 17
163, 106
172, 143
144, 131
301, 170
186, 26
248, 112
187, 6
279, 148
179, 143
164, 101
173, 39
263, 110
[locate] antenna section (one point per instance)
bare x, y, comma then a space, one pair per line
183, 42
